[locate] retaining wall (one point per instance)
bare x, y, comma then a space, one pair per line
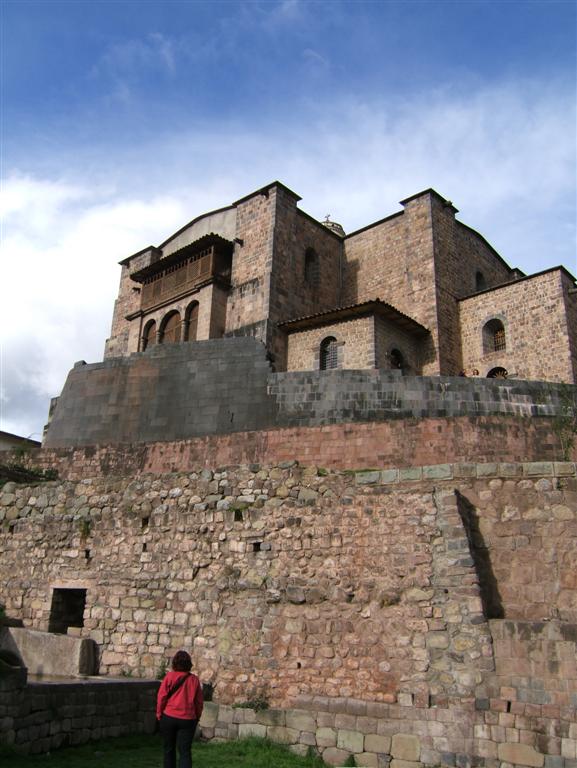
40, 717
225, 386
365, 598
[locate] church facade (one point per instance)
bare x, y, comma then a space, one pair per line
417, 291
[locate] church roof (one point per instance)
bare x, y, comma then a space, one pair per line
374, 306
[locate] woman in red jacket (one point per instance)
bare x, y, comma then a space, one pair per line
178, 708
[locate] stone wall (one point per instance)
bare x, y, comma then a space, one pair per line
292, 294
393, 260
538, 337
382, 445
460, 253
355, 339
41, 717
223, 386
355, 602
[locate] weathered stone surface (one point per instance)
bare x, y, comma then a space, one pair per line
520, 754
334, 756
253, 729
367, 759
351, 741
282, 735
301, 720
326, 737
209, 715
374, 743
405, 747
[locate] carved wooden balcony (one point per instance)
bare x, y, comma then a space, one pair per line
185, 271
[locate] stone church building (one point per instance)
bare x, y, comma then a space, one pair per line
417, 291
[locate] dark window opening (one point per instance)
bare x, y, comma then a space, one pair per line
494, 338
311, 268
87, 554
238, 515
397, 361
149, 335
498, 373
499, 340
256, 545
328, 354
67, 609
145, 522
480, 282
144, 547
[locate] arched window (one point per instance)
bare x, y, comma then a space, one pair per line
311, 274
191, 322
149, 335
397, 360
498, 373
494, 339
328, 353
170, 329
480, 282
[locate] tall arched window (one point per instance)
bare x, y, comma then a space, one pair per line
328, 353
480, 282
170, 329
149, 335
191, 322
494, 339
311, 274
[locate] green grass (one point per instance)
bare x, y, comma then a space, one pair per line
146, 752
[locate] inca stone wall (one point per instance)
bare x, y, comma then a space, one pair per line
40, 717
360, 599
226, 386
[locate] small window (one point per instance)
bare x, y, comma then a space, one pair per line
67, 609
494, 339
311, 274
397, 360
149, 335
328, 353
480, 282
498, 373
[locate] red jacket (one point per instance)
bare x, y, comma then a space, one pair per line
186, 703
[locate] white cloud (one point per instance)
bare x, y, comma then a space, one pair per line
504, 155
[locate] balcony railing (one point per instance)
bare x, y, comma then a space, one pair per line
183, 277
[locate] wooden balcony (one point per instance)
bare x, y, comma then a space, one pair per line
183, 272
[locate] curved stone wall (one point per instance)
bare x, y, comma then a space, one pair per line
225, 386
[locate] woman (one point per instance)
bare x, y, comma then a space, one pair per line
178, 708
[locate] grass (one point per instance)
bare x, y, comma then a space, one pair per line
146, 752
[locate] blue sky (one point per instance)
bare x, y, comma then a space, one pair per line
123, 120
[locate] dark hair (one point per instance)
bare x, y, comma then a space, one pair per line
181, 662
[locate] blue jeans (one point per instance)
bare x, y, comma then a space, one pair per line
177, 734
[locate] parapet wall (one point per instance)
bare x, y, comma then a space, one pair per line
225, 387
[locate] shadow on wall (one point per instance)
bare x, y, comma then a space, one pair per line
490, 595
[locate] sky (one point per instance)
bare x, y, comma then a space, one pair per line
122, 120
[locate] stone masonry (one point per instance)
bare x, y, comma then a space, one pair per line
377, 603
284, 266
175, 392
